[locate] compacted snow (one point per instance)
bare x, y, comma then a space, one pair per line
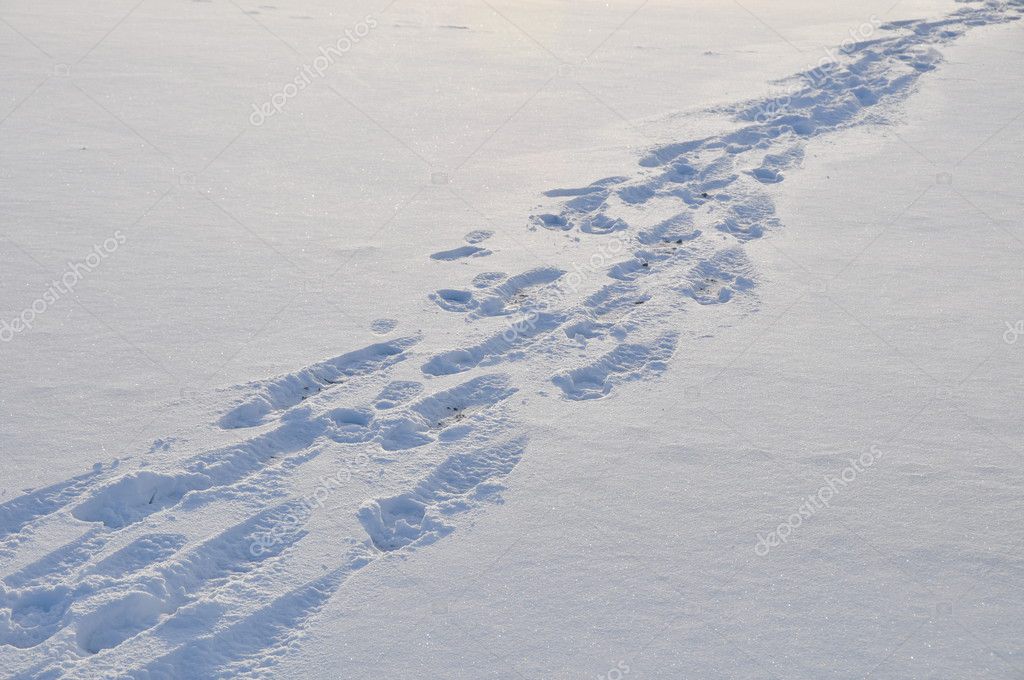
512, 340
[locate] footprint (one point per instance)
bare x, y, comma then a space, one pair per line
478, 236
397, 393
488, 279
495, 348
675, 230
383, 326
770, 171
600, 186
138, 554
247, 647
615, 300
18, 513
464, 403
460, 252
137, 495
514, 293
58, 565
508, 297
749, 218
32, 615
622, 364
169, 587
717, 280
418, 517
454, 300
584, 208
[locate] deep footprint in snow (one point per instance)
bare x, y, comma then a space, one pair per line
473, 238
624, 363
460, 253
508, 297
418, 516
250, 645
451, 300
167, 588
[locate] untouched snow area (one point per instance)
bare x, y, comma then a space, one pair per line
512, 340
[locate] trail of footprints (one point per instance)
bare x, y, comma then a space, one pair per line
134, 594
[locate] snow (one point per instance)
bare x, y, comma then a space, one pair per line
518, 340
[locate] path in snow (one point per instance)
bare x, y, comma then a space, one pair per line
133, 594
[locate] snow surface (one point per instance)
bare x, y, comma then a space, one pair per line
523, 340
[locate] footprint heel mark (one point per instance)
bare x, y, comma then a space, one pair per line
117, 620
30, 616
488, 279
135, 496
462, 481
478, 236
625, 363
288, 390
749, 218
451, 300
383, 326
